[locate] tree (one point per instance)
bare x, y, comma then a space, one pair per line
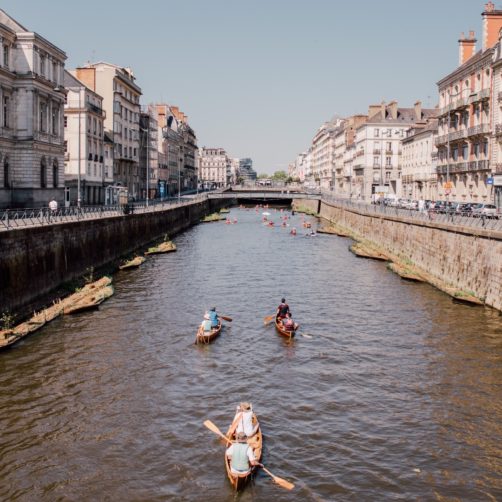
280, 176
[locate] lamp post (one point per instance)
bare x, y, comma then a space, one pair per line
79, 147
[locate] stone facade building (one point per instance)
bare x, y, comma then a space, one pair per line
84, 145
214, 167
466, 106
121, 97
419, 162
149, 153
31, 117
377, 162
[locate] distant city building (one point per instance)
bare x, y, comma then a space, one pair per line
246, 171
148, 152
121, 97
376, 164
179, 150
214, 167
31, 117
419, 162
84, 144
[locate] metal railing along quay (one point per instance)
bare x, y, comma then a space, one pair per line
432, 216
22, 218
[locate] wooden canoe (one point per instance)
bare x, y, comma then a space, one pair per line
164, 247
202, 338
284, 332
134, 263
256, 442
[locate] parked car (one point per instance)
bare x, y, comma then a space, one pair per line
465, 209
487, 210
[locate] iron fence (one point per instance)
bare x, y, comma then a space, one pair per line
35, 217
450, 218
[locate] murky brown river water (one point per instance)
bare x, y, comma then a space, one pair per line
397, 395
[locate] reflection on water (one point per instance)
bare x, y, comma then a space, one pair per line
396, 396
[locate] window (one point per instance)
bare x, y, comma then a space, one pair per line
55, 120
6, 174
377, 133
6, 111
42, 66
55, 173
66, 146
465, 151
376, 161
389, 147
388, 161
66, 121
6, 56
43, 173
43, 117
54, 71
454, 153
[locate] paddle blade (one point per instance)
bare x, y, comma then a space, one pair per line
226, 318
278, 480
269, 318
212, 427
305, 335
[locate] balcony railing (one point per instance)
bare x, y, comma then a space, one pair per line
376, 151
498, 168
479, 129
498, 130
463, 167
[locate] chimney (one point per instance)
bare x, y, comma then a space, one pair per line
418, 111
466, 48
393, 109
373, 110
492, 24
382, 109
87, 76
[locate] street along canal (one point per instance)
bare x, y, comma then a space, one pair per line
396, 394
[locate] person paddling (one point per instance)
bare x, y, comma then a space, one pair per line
241, 456
288, 323
214, 317
282, 309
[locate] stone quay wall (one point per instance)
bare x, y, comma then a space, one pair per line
466, 258
36, 260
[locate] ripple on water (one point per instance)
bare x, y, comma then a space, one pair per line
388, 399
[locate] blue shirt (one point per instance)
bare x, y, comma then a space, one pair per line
214, 318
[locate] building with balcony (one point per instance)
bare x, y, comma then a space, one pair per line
344, 142
149, 153
179, 149
419, 161
84, 144
323, 153
214, 167
121, 97
467, 106
376, 164
31, 117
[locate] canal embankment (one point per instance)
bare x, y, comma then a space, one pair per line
36, 260
462, 261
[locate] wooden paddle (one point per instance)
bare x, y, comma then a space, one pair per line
225, 318
305, 335
269, 318
281, 482
278, 480
214, 428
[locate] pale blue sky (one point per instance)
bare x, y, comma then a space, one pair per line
258, 77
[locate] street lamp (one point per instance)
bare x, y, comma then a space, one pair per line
79, 151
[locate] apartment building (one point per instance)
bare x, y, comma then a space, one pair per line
84, 145
31, 117
419, 162
467, 105
121, 96
376, 166
149, 153
214, 167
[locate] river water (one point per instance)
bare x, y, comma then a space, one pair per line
396, 394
